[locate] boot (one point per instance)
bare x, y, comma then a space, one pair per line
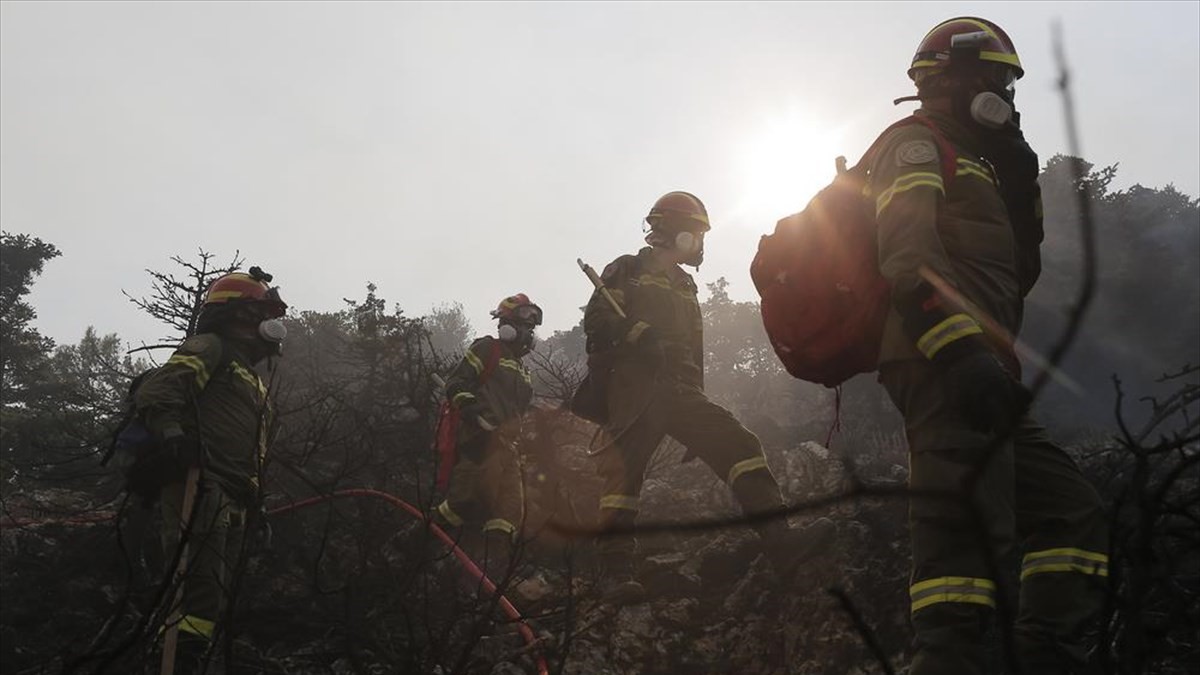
791, 548
464, 529
191, 657
786, 547
497, 557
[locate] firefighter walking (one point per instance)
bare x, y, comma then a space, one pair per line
492, 390
209, 413
961, 250
646, 370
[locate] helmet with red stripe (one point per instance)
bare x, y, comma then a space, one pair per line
239, 288
518, 309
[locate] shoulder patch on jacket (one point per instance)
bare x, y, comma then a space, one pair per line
201, 345
916, 152
617, 268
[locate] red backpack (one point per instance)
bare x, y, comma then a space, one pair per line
824, 301
445, 435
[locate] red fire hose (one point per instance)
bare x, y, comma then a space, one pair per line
509, 610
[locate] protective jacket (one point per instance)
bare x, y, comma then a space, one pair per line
1025, 490
506, 393
654, 295
649, 401
959, 229
490, 381
230, 420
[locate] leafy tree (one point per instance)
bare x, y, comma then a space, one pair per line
1145, 317
449, 329
23, 350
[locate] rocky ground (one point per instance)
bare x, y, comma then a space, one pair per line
361, 589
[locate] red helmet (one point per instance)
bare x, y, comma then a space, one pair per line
518, 309
239, 287
967, 32
678, 211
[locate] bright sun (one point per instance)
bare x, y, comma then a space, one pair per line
790, 158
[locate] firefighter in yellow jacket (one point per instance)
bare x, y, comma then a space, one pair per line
493, 390
207, 407
653, 362
960, 248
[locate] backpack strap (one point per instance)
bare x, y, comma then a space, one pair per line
490, 366
226, 360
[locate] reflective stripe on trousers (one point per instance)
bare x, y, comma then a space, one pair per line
972, 590
1065, 559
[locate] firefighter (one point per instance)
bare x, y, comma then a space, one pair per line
493, 390
208, 408
961, 252
652, 363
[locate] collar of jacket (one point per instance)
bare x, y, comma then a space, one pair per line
507, 350
958, 133
238, 351
650, 262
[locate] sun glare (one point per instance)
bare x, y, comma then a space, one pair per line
785, 163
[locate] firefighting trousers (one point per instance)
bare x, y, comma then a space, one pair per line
668, 408
213, 546
485, 490
974, 498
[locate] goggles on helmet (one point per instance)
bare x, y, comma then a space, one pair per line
531, 314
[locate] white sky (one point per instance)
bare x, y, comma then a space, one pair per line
467, 151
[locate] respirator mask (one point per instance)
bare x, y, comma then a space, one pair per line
689, 243
519, 335
272, 330
692, 244
992, 108
519, 329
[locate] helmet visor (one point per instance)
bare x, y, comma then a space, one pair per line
530, 314
274, 305
1004, 76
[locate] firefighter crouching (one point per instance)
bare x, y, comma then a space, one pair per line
646, 381
961, 253
208, 408
492, 390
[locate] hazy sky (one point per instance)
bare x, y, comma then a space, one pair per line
466, 151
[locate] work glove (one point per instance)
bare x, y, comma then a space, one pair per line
991, 400
1012, 157
1017, 168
